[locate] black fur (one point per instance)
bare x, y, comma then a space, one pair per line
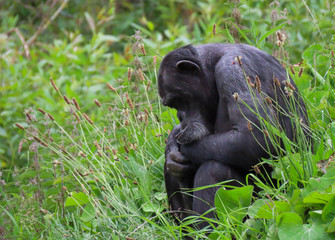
212, 143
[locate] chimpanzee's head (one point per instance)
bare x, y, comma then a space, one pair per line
183, 85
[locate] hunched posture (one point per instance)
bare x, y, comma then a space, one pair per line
211, 87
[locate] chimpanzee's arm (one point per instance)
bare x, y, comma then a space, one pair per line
237, 145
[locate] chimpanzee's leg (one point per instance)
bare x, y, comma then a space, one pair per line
179, 202
210, 173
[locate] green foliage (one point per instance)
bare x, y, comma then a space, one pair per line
96, 171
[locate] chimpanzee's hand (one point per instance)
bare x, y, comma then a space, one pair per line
175, 163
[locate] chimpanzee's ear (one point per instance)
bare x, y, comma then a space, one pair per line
187, 65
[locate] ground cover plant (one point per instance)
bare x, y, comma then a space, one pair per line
82, 130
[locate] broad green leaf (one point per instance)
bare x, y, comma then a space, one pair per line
317, 197
291, 227
76, 199
233, 201
88, 213
272, 208
289, 218
328, 213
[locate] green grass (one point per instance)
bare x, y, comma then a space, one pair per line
101, 177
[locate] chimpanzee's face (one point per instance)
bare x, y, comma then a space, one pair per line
180, 87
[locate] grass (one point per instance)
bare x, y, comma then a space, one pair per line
91, 147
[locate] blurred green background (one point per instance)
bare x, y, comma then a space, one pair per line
83, 45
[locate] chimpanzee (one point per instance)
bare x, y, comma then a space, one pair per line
220, 91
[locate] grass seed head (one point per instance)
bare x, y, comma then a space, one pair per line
96, 101
250, 83
141, 45
269, 101
235, 96
130, 73
51, 117
266, 133
40, 141
67, 100
126, 122
97, 145
288, 84
29, 117
249, 126
300, 71
41, 111
77, 117
54, 85
292, 70
148, 85
109, 86
75, 103
258, 84
239, 60
256, 169
88, 119
276, 82
82, 154
19, 126
140, 74
129, 101
126, 149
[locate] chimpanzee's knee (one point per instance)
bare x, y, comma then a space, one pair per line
210, 173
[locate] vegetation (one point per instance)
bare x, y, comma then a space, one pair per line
82, 130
